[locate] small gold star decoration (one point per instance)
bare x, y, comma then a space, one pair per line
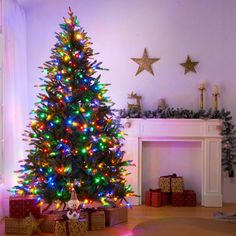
189, 65
145, 63
33, 225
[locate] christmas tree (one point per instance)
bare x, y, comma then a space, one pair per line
75, 138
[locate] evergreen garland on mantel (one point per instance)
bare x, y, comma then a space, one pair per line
227, 132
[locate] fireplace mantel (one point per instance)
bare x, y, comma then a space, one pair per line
207, 132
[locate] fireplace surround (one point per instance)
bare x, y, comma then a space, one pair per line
207, 132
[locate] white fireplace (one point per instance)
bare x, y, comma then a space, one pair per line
204, 132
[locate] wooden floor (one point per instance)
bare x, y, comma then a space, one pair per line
139, 214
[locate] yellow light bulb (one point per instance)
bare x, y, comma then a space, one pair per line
34, 122
66, 58
75, 124
49, 117
20, 192
100, 165
86, 201
78, 36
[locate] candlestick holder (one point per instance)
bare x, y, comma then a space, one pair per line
201, 89
215, 97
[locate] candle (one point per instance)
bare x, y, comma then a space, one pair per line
201, 88
215, 89
215, 95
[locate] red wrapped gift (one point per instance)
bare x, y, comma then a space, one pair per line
156, 198
165, 199
190, 198
21, 206
148, 198
178, 199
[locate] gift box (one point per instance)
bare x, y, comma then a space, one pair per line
165, 198
71, 227
177, 184
190, 198
48, 225
148, 198
97, 220
116, 215
177, 199
85, 215
21, 206
164, 183
156, 200
15, 225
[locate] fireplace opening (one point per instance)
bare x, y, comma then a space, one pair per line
161, 158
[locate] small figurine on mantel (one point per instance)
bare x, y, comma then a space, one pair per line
73, 212
135, 102
162, 105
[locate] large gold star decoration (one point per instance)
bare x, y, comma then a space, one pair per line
145, 63
33, 225
189, 65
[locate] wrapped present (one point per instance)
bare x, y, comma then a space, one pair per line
165, 198
177, 199
177, 184
21, 206
148, 198
116, 215
190, 198
97, 220
156, 198
71, 227
15, 226
85, 215
48, 225
164, 183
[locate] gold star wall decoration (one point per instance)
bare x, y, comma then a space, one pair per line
189, 65
145, 63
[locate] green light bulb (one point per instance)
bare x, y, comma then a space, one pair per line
83, 150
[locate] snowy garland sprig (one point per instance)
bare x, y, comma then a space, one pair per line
227, 131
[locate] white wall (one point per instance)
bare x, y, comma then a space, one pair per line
169, 29
1, 115
15, 97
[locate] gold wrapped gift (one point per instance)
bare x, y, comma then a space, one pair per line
177, 185
71, 228
164, 183
15, 225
